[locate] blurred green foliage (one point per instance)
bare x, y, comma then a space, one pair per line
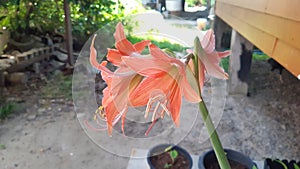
161, 43
196, 2
40, 16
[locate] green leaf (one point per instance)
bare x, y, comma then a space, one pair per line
254, 167
168, 148
2, 17
280, 162
173, 154
296, 166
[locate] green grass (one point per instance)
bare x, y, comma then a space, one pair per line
225, 63
260, 56
161, 43
6, 109
59, 86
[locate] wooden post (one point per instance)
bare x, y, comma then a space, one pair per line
68, 33
239, 64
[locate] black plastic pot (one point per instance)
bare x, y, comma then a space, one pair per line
161, 148
280, 164
210, 157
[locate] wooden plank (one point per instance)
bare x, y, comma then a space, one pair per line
284, 29
284, 8
288, 56
257, 5
260, 38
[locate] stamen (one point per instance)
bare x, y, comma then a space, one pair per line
148, 108
162, 113
166, 109
155, 111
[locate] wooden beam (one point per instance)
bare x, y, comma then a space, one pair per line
277, 37
257, 5
284, 8
281, 28
259, 38
288, 57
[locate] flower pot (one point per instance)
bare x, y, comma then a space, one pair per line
209, 160
174, 5
280, 164
157, 156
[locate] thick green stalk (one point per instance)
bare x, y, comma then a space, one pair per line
214, 138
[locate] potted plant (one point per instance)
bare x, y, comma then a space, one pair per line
158, 81
281, 164
169, 156
236, 160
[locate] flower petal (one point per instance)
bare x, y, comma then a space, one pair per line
140, 46
157, 53
212, 66
147, 66
148, 85
125, 47
190, 87
111, 113
93, 60
175, 103
224, 54
119, 34
210, 61
208, 41
114, 56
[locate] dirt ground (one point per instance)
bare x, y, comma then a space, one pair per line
45, 133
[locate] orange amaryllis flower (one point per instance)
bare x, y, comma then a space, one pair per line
124, 47
115, 96
165, 82
208, 58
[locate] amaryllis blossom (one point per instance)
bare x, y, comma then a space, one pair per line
119, 83
124, 47
208, 58
165, 79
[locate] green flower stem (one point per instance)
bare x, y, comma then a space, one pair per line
214, 138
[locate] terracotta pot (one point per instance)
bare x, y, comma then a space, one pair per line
210, 157
161, 148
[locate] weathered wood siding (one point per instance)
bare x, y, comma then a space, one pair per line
271, 25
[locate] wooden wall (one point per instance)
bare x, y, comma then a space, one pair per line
271, 25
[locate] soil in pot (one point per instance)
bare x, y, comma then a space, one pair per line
233, 165
164, 160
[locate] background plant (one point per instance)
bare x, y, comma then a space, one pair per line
39, 16
6, 108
